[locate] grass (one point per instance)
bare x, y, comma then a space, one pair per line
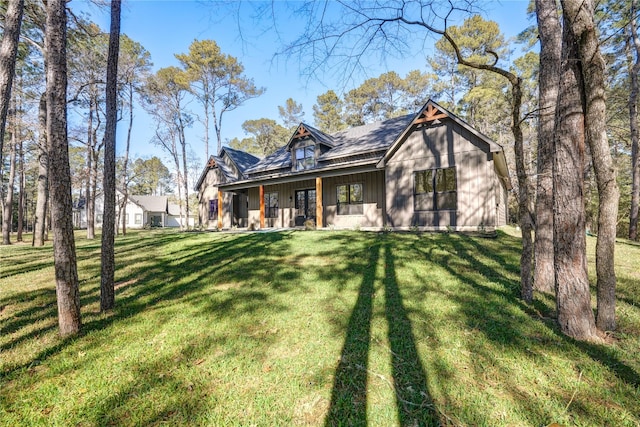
308, 328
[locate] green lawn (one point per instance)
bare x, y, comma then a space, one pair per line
308, 328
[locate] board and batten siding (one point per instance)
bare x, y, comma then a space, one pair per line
286, 203
442, 146
208, 191
501, 203
373, 200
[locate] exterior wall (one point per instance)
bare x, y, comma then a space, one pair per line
208, 191
373, 200
174, 221
447, 145
286, 203
227, 210
502, 213
253, 217
132, 211
234, 205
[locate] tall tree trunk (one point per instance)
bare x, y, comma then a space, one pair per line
8, 53
21, 191
206, 128
524, 204
217, 127
580, 17
125, 166
91, 202
7, 214
64, 251
550, 34
107, 293
573, 299
176, 161
185, 184
633, 124
40, 228
89, 207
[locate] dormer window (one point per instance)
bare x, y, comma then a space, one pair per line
305, 157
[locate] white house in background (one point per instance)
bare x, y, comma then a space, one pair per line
141, 211
153, 211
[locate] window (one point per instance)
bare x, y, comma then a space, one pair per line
270, 205
99, 218
350, 199
435, 189
126, 218
213, 209
305, 157
138, 219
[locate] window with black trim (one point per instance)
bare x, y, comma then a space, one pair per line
435, 189
305, 157
270, 205
350, 199
213, 209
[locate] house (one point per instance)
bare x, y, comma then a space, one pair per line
152, 211
141, 211
227, 167
429, 170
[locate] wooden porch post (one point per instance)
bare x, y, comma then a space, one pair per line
262, 206
319, 210
220, 204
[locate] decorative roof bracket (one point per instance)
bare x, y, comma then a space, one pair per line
431, 114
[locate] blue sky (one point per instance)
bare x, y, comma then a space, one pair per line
167, 27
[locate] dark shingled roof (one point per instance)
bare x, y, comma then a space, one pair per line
242, 160
279, 160
372, 137
320, 136
368, 138
226, 170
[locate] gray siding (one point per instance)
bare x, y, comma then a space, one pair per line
446, 145
208, 191
286, 203
373, 200
234, 209
501, 203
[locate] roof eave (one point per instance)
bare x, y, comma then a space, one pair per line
500, 165
299, 176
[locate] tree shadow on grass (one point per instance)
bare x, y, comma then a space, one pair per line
488, 309
349, 395
602, 354
415, 406
163, 284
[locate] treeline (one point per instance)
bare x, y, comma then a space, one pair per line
207, 75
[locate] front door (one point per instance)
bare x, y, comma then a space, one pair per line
156, 220
305, 205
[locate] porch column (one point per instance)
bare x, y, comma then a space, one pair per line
319, 210
220, 204
262, 206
